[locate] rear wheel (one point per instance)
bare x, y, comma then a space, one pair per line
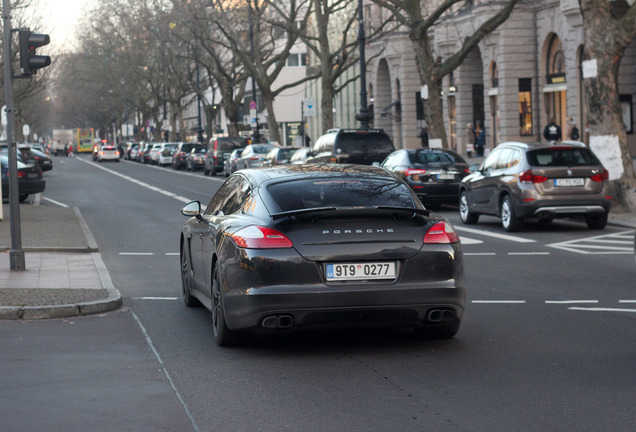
23, 197
188, 299
222, 334
509, 221
596, 222
465, 214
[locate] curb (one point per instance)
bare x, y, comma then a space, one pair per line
112, 302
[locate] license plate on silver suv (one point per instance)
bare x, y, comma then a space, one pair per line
360, 271
569, 182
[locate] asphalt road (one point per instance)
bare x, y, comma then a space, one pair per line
546, 343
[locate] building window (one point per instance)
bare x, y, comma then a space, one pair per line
297, 60
495, 76
525, 106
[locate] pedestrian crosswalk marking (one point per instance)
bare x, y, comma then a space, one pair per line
616, 243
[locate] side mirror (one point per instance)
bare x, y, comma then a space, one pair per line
192, 209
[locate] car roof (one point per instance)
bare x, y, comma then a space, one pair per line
541, 145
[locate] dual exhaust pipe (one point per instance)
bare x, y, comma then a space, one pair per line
440, 315
277, 322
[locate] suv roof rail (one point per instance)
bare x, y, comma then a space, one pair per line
361, 130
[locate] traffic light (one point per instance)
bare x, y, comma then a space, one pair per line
29, 61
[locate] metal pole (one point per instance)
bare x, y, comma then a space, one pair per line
251, 25
16, 253
363, 117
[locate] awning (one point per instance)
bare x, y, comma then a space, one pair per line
551, 88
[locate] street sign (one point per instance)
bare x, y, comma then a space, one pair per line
309, 105
252, 105
26, 130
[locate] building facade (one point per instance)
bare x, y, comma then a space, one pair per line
518, 78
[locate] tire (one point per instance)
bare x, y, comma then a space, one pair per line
23, 197
509, 221
188, 299
596, 222
213, 171
222, 334
440, 331
467, 217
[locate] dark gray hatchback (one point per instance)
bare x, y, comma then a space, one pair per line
518, 182
320, 246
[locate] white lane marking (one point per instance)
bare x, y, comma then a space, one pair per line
495, 235
55, 202
173, 253
498, 301
599, 245
156, 298
137, 253
528, 253
602, 309
468, 240
627, 301
140, 183
570, 301
165, 371
480, 254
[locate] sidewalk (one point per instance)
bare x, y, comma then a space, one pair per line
65, 275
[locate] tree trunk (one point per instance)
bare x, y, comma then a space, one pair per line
605, 45
274, 133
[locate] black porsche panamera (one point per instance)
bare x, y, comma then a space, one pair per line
320, 246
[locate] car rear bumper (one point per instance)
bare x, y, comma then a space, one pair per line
552, 209
303, 307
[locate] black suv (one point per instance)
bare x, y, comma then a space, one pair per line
351, 146
219, 150
181, 154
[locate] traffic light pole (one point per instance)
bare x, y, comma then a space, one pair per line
16, 253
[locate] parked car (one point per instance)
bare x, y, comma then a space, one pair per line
290, 248
42, 159
230, 163
131, 149
166, 153
153, 154
30, 179
133, 152
279, 156
352, 146
196, 159
181, 153
434, 174
253, 156
300, 156
144, 153
219, 149
518, 182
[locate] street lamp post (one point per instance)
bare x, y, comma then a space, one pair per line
364, 117
251, 26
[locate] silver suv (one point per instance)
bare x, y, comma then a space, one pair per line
518, 182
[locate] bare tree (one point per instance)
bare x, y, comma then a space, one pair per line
607, 34
419, 18
265, 53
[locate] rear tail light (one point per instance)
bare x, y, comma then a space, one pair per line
256, 237
441, 232
600, 177
21, 174
415, 173
529, 177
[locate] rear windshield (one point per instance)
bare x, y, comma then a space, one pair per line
229, 144
363, 143
306, 194
562, 156
262, 148
285, 153
435, 156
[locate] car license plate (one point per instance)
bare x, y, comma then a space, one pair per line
445, 176
32, 175
569, 182
360, 271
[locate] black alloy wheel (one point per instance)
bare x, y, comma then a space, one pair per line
188, 299
222, 334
